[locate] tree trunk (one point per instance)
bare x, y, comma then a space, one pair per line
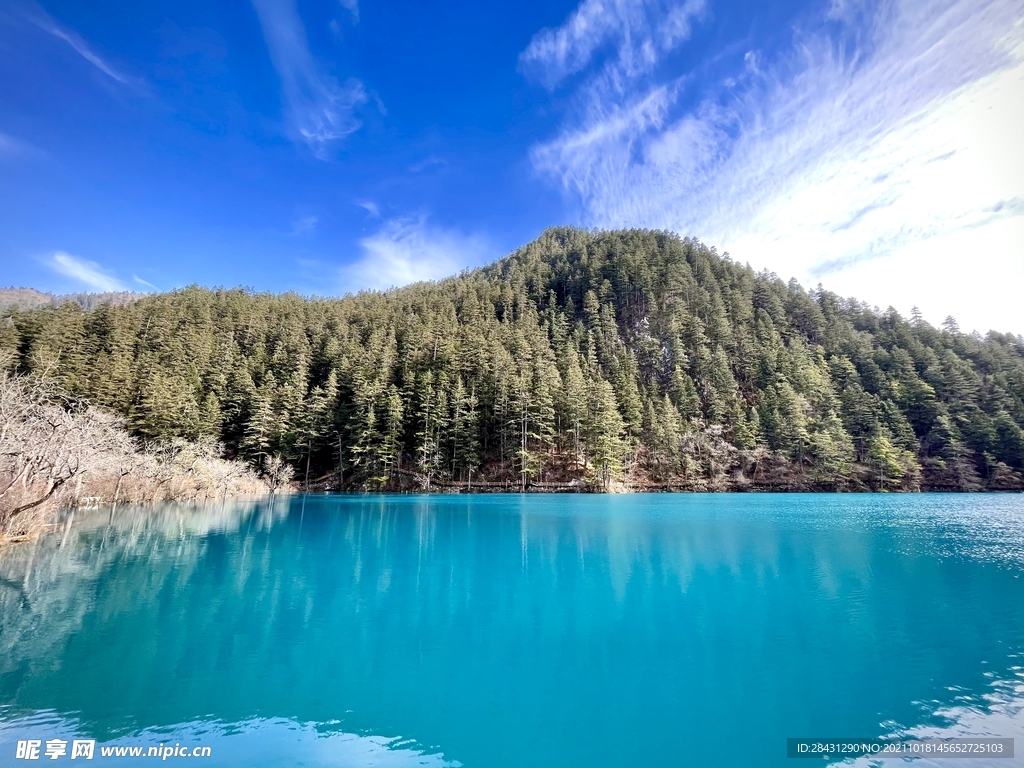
31, 505
117, 489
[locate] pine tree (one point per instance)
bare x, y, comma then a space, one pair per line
575, 407
605, 432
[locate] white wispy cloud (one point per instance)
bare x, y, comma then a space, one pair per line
427, 162
320, 109
892, 170
88, 273
43, 20
304, 224
352, 6
370, 207
410, 250
640, 30
10, 146
145, 283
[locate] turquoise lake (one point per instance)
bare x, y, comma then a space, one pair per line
505, 630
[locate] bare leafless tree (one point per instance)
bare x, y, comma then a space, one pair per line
276, 472
55, 451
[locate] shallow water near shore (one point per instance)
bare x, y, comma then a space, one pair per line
507, 630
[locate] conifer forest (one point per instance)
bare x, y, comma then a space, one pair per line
601, 361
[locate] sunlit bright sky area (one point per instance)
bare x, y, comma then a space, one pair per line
326, 146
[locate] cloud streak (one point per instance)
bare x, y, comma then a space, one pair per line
145, 283
409, 250
88, 273
320, 109
830, 163
304, 225
352, 6
640, 31
10, 146
42, 20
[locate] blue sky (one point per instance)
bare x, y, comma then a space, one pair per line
323, 146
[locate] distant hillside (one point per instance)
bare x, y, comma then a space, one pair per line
612, 360
24, 298
30, 298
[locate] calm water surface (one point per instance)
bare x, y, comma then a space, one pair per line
491, 631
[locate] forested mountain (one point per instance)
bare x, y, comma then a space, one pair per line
30, 298
604, 360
